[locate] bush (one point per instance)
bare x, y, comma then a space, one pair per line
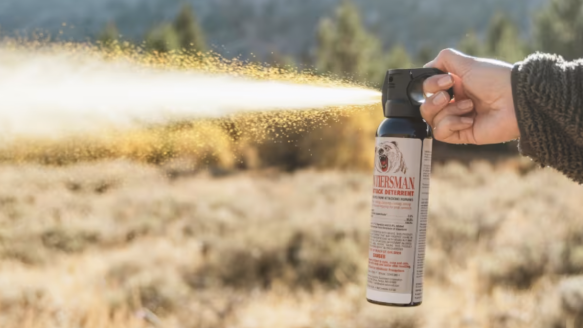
323, 140
516, 267
571, 293
305, 260
68, 241
572, 251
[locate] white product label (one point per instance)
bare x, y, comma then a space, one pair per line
399, 220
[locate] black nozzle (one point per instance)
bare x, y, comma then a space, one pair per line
403, 91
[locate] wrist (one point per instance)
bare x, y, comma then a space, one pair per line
514, 79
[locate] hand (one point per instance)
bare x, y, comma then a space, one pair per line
483, 109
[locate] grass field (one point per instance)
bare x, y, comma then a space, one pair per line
126, 244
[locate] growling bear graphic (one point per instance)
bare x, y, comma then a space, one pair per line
389, 159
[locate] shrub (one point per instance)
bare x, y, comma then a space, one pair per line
571, 293
572, 251
516, 267
68, 241
303, 261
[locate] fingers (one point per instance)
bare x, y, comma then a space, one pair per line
433, 105
452, 61
460, 108
454, 129
442, 82
437, 83
451, 122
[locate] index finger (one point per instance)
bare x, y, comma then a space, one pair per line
442, 82
436, 83
433, 105
452, 61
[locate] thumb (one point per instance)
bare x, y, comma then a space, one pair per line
452, 61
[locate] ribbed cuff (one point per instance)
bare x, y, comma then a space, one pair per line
524, 146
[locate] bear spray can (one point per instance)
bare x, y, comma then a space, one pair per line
400, 192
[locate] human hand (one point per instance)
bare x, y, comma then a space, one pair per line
483, 109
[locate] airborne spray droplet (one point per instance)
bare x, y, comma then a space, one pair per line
59, 91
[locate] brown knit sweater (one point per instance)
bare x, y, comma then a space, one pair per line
548, 99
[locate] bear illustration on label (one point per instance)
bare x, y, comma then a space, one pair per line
389, 159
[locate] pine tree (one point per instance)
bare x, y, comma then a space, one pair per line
503, 40
499, 25
471, 45
189, 32
279, 60
345, 48
424, 55
559, 28
398, 57
162, 39
109, 35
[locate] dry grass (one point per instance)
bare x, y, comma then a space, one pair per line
127, 244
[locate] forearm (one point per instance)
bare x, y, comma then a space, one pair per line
548, 99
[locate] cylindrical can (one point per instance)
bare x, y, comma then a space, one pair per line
400, 193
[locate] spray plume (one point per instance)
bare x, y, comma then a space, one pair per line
72, 89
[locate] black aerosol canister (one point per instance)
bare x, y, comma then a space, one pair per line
400, 192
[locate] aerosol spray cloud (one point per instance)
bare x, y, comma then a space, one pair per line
54, 93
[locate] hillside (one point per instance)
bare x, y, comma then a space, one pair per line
263, 26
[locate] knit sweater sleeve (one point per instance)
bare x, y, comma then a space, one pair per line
548, 100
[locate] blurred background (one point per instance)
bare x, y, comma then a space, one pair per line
213, 224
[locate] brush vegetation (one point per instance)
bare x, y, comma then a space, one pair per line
118, 243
